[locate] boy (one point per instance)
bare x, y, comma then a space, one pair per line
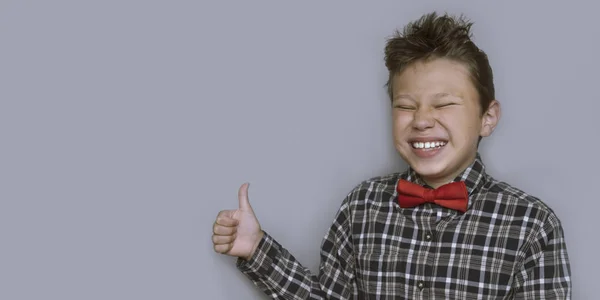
443, 229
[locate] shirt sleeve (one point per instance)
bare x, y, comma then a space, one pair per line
546, 271
279, 275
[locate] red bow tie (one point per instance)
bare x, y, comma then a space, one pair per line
452, 195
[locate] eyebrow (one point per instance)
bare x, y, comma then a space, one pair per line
403, 96
443, 95
437, 95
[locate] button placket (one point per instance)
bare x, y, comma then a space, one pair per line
427, 237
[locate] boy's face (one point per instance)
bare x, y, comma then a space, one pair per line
437, 119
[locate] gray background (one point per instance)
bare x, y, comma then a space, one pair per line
126, 126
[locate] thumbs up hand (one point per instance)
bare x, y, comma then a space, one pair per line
237, 232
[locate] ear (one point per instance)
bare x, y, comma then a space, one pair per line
490, 118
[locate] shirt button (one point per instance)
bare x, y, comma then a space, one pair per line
420, 285
428, 236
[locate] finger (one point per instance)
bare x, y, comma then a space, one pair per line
223, 239
227, 221
224, 230
224, 248
243, 197
226, 213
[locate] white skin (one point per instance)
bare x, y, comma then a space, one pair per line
437, 100
237, 232
434, 99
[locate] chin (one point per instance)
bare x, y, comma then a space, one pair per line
431, 169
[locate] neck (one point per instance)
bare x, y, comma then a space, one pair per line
436, 182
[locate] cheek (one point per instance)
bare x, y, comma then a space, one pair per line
460, 122
400, 124
463, 132
401, 119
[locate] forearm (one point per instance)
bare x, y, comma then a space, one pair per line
279, 275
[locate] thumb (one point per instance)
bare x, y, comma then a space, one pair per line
243, 197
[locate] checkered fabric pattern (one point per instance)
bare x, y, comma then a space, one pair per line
508, 245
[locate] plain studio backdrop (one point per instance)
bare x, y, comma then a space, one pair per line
126, 126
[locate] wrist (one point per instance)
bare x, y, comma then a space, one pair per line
259, 237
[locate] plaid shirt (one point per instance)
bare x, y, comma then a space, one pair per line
508, 245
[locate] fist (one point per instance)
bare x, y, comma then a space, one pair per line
237, 232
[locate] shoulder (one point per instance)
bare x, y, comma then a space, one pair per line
373, 190
522, 203
377, 183
382, 181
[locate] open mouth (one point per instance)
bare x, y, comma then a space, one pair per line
433, 145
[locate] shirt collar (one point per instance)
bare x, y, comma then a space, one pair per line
473, 176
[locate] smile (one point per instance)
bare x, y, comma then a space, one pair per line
428, 145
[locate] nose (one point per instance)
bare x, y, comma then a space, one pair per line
423, 119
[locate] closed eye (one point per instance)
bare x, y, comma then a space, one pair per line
404, 107
446, 105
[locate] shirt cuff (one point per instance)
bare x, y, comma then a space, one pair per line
261, 261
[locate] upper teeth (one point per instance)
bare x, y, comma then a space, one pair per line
427, 145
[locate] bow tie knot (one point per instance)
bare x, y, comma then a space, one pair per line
429, 195
453, 195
